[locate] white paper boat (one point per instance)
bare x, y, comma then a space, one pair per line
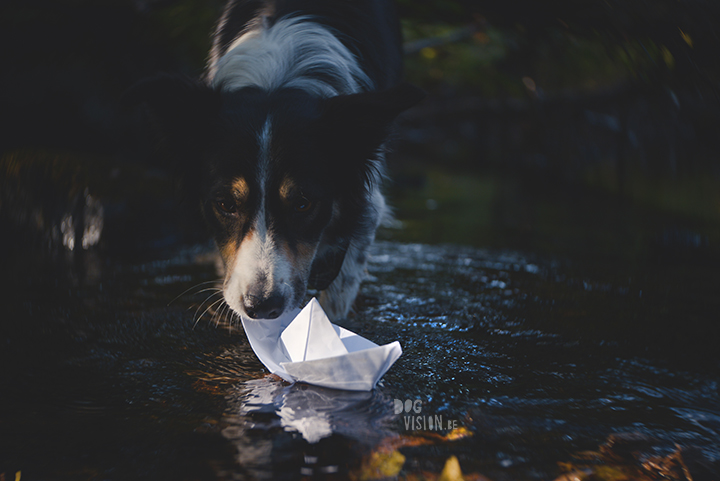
305, 346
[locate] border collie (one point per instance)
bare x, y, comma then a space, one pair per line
283, 142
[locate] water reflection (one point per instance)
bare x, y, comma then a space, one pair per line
266, 414
85, 227
311, 411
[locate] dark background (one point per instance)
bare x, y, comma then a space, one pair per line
616, 98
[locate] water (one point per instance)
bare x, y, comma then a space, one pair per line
534, 362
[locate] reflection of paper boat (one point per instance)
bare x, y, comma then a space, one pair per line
307, 347
314, 412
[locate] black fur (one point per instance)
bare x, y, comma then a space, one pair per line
329, 147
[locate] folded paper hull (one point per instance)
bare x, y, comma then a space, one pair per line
305, 346
354, 371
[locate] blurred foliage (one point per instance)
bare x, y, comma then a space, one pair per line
67, 63
187, 26
623, 96
387, 462
495, 63
438, 207
559, 45
622, 457
627, 456
469, 63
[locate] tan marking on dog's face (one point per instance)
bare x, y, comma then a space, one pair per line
240, 189
229, 250
237, 195
288, 188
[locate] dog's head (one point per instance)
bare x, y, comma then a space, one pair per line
278, 175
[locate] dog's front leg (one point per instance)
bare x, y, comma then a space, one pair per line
338, 298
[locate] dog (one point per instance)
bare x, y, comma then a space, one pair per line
282, 142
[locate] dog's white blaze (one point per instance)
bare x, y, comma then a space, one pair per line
289, 53
299, 53
259, 258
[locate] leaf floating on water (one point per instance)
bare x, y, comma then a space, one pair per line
624, 447
575, 476
381, 465
458, 433
588, 455
625, 457
451, 471
387, 462
688, 39
617, 473
669, 467
396, 442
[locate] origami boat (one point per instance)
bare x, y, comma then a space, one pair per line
306, 347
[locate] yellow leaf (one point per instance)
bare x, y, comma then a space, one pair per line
668, 57
458, 433
611, 473
686, 37
482, 37
381, 464
451, 471
429, 53
573, 476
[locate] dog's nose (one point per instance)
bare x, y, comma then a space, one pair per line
257, 307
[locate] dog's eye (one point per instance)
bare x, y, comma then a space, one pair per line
303, 205
226, 206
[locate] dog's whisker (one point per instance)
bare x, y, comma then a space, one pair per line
214, 314
193, 287
220, 314
215, 319
205, 311
209, 289
229, 314
233, 315
206, 299
203, 303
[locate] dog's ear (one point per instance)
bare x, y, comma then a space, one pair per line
358, 124
180, 108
